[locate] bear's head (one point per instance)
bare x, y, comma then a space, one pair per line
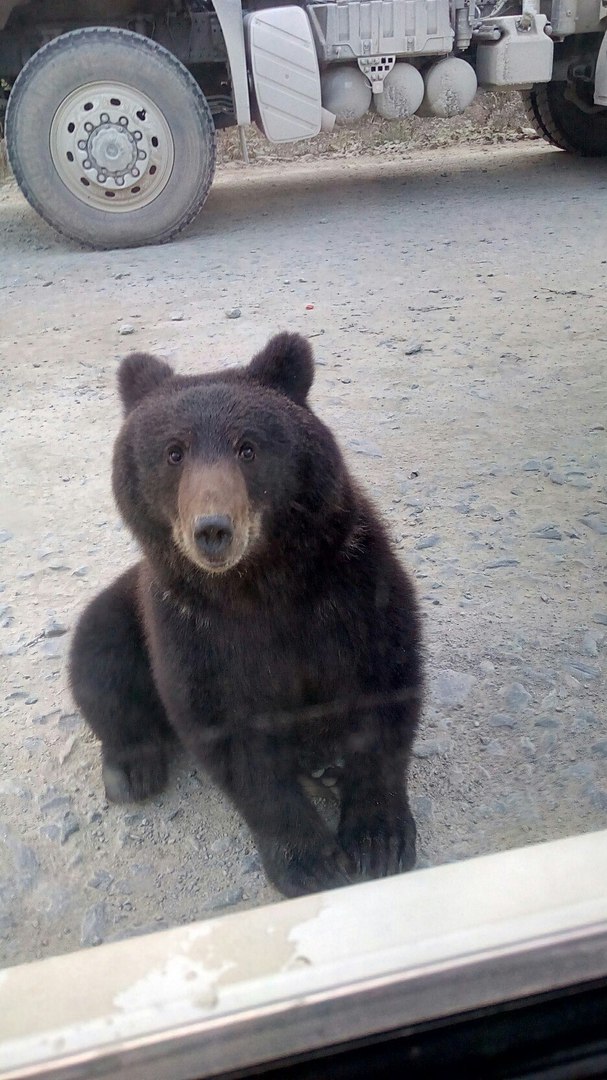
227, 469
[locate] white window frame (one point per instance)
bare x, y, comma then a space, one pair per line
306, 974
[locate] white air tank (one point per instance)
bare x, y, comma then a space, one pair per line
403, 93
450, 87
345, 92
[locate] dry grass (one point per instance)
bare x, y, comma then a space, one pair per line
492, 118
4, 166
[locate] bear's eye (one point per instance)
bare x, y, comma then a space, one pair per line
175, 455
246, 451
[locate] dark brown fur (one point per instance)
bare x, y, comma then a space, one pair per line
275, 647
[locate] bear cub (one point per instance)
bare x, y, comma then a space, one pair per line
268, 626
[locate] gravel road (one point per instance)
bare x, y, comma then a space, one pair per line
459, 321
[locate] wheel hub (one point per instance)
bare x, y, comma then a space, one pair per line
112, 146
111, 150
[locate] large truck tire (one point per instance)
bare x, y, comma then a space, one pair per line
110, 138
561, 123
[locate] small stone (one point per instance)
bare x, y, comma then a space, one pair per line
56, 802
51, 647
425, 748
414, 348
5, 536
66, 750
583, 671
590, 717
361, 446
451, 688
25, 860
219, 847
548, 532
428, 542
516, 697
557, 478
532, 466
226, 898
69, 826
502, 720
233, 313
123, 887
43, 718
422, 807
600, 617
598, 794
176, 316
93, 926
69, 721
495, 748
590, 646
486, 667
54, 628
11, 787
101, 879
12, 650
582, 483
126, 329
595, 523
52, 832
600, 748
581, 770
251, 864
33, 745
549, 742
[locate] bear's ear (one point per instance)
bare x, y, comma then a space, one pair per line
287, 365
138, 374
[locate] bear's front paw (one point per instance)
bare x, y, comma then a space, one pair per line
135, 774
299, 867
379, 840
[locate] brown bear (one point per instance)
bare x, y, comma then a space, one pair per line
268, 626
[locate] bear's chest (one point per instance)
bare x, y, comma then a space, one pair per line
290, 660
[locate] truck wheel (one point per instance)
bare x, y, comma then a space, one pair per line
561, 123
110, 138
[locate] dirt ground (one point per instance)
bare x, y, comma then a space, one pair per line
460, 325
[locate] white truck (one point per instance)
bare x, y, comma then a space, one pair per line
112, 105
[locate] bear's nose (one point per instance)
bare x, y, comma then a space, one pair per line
213, 534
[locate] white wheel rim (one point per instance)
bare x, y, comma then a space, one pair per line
112, 147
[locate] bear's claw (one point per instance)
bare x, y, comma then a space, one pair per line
136, 777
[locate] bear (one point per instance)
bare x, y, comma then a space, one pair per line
269, 627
